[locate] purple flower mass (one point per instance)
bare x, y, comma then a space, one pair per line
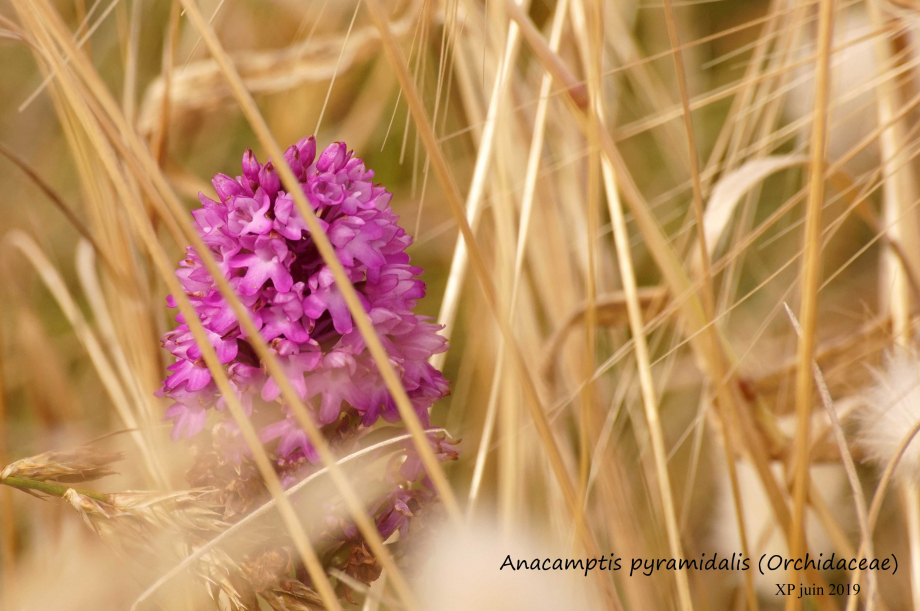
265, 250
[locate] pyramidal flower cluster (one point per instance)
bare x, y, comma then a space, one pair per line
264, 249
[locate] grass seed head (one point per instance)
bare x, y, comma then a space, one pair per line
82, 464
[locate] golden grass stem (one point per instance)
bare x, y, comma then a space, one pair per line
129, 95
900, 187
646, 383
589, 33
575, 89
160, 137
338, 62
89, 281
810, 279
728, 135
82, 40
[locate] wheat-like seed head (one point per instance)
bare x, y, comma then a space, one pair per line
81, 464
135, 522
891, 410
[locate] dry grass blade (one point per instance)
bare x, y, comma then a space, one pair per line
85, 37
574, 88
728, 192
160, 131
524, 233
647, 384
706, 289
337, 69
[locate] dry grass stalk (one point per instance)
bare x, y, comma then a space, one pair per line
647, 385
113, 384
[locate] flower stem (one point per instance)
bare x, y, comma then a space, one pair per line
57, 490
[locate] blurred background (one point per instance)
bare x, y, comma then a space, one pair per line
642, 435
